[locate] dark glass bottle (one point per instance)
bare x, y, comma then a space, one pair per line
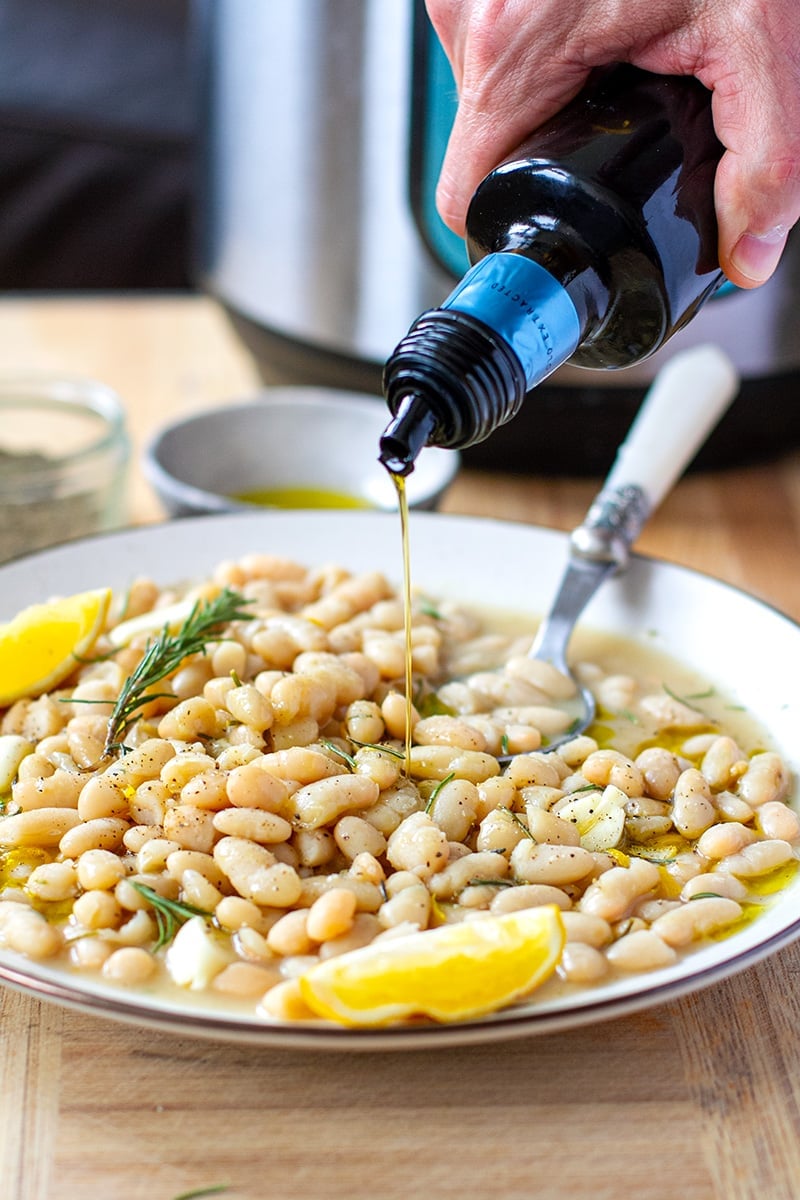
593, 243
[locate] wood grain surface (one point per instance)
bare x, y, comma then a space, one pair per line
696, 1099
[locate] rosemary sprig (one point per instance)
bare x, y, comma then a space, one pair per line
390, 750
435, 792
429, 609
338, 752
164, 654
501, 883
214, 1190
170, 914
690, 697
518, 821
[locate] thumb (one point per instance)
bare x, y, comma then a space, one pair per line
757, 187
757, 204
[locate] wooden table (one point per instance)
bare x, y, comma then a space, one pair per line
697, 1099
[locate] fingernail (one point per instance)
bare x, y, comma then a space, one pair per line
757, 255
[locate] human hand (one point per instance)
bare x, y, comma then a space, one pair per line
518, 62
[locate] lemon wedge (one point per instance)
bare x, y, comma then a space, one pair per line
451, 973
38, 648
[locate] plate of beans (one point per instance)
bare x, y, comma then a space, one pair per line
312, 776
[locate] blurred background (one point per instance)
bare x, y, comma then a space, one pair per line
281, 156
97, 126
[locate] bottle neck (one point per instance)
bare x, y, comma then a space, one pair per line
524, 304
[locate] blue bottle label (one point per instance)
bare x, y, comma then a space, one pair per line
526, 306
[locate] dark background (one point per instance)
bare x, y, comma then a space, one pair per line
97, 120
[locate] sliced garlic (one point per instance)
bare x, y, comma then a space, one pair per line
13, 749
196, 955
599, 817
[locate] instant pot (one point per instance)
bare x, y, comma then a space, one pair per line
325, 122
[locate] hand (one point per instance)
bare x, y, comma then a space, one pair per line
518, 62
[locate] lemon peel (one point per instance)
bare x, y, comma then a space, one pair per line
451, 973
40, 645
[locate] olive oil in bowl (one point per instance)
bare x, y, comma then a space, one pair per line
301, 497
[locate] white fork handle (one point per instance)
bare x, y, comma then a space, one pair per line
686, 400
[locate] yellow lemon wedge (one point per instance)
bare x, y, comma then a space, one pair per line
451, 973
39, 646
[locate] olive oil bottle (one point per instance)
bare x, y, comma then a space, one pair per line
592, 244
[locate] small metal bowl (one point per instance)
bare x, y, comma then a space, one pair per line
286, 448
64, 454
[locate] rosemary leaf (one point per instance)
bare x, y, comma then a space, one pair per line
436, 790
429, 705
215, 1190
337, 751
390, 750
691, 697
491, 883
517, 819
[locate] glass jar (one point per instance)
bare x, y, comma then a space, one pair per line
64, 454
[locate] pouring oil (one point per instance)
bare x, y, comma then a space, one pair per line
402, 504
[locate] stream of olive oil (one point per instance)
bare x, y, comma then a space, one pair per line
402, 501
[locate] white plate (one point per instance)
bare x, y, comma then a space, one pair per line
748, 650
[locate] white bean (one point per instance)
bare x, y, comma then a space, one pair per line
556, 865
38, 827
692, 809
418, 845
437, 762
766, 778
411, 906
776, 820
615, 893
320, 803
641, 950
254, 823
529, 895
465, 870
25, 930
583, 927
355, 836
582, 964
723, 763
255, 874
714, 883
729, 837
758, 859
696, 919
